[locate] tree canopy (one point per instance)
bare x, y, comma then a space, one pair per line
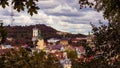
107, 37
106, 40
24, 59
110, 8
21, 5
3, 34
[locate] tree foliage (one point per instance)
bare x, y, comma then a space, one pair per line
20, 5
3, 34
110, 8
71, 54
107, 40
24, 59
107, 37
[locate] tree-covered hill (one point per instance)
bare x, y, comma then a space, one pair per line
23, 34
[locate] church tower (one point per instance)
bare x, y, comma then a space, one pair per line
35, 36
40, 43
35, 32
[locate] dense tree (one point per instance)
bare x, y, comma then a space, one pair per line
110, 8
25, 59
107, 40
52, 62
71, 54
20, 5
3, 34
107, 37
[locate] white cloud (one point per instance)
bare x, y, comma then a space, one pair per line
63, 15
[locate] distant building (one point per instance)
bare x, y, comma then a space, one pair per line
35, 32
64, 41
66, 63
90, 40
56, 48
9, 38
53, 41
40, 43
78, 41
35, 36
5, 46
80, 51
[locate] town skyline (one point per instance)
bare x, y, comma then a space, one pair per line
60, 33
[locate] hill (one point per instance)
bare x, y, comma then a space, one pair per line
23, 34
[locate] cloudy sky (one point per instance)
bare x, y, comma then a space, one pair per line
63, 15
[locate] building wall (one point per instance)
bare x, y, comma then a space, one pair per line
67, 66
35, 32
40, 44
64, 42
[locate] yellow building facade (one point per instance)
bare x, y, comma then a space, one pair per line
64, 42
40, 44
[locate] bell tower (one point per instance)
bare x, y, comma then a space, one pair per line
35, 36
35, 32
40, 43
